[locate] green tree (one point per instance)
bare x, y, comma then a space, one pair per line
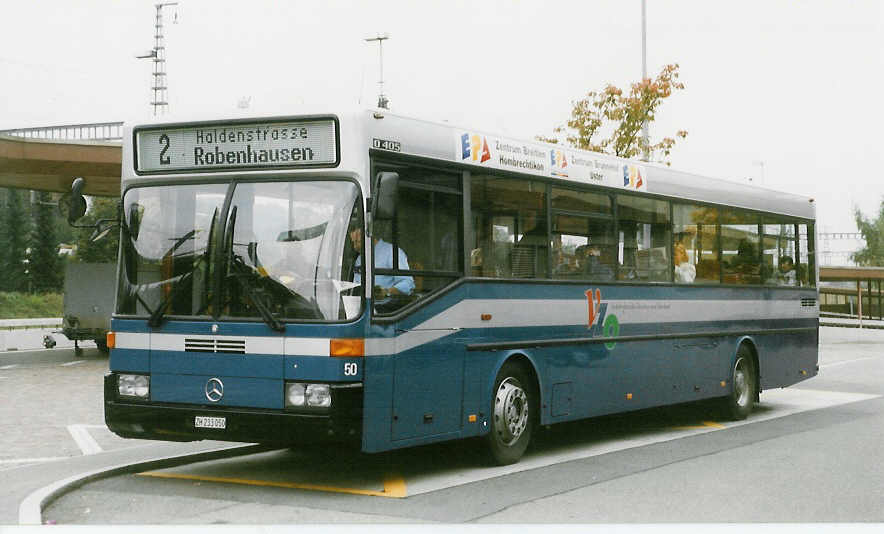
872, 255
103, 250
15, 242
610, 121
44, 265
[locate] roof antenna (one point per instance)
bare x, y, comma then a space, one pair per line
383, 102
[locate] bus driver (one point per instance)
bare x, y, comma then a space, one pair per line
385, 285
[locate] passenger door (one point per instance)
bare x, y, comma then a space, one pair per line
429, 356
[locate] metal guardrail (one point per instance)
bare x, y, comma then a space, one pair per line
99, 131
28, 324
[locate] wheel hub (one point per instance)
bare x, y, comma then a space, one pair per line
510, 411
741, 383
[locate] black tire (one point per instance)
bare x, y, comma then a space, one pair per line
513, 414
738, 405
102, 345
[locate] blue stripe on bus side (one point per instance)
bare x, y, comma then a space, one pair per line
134, 360
138, 326
713, 328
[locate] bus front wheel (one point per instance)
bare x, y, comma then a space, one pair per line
512, 417
738, 405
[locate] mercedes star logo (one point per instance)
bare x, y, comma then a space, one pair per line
214, 389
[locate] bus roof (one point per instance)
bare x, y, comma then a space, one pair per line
479, 149
476, 149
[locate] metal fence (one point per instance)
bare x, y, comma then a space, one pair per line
99, 131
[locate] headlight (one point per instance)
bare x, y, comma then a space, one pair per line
318, 395
302, 395
294, 394
137, 386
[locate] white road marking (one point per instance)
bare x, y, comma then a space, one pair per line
68, 364
5, 367
842, 362
34, 460
778, 403
84, 440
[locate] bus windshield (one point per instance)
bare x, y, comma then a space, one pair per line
283, 252
288, 251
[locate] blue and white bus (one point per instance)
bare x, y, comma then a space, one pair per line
395, 282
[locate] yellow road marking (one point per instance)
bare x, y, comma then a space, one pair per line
394, 486
705, 425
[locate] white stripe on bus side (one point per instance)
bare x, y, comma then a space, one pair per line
253, 344
561, 312
131, 340
522, 313
306, 346
505, 313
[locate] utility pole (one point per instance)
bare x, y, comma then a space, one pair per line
383, 102
159, 87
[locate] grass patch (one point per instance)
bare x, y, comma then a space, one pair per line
27, 306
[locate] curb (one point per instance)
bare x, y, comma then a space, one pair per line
854, 325
30, 511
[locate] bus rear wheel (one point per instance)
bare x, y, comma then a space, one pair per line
512, 415
738, 405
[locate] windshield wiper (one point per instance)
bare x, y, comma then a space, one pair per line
156, 316
266, 314
237, 262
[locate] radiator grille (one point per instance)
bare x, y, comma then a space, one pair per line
231, 346
808, 302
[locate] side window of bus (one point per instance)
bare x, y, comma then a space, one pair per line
426, 239
695, 258
779, 254
805, 268
740, 247
644, 240
582, 236
511, 238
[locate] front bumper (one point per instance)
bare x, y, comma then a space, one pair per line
175, 422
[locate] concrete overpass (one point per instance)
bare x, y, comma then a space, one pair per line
49, 158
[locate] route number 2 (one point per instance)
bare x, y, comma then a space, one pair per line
164, 141
351, 369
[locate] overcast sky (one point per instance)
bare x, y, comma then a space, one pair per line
782, 92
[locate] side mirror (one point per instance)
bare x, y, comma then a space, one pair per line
102, 229
383, 201
136, 211
72, 206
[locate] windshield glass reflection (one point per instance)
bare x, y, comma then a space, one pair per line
166, 260
281, 254
288, 252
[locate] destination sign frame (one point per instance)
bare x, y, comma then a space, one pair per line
278, 143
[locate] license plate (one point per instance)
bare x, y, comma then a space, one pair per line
210, 422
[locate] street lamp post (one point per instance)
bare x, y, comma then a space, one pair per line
760, 163
644, 77
383, 102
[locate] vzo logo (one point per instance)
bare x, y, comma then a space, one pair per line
598, 318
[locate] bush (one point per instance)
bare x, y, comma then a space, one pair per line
24, 305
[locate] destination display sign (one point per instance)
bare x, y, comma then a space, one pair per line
511, 155
241, 145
